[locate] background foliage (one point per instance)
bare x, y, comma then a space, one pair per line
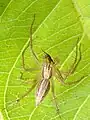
58, 25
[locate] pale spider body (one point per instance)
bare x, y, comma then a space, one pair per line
47, 71
44, 85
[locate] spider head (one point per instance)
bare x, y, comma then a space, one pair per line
48, 58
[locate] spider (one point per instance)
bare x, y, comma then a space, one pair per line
48, 68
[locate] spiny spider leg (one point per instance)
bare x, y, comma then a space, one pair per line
76, 62
29, 90
76, 81
71, 70
62, 80
80, 56
23, 62
54, 98
31, 47
25, 80
25, 94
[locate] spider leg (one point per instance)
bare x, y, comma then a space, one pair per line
62, 80
76, 61
24, 95
31, 47
29, 90
74, 82
54, 98
23, 60
25, 80
72, 68
80, 56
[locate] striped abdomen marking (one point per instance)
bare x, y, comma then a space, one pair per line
42, 91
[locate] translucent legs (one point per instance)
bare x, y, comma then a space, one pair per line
31, 48
54, 98
34, 83
72, 68
26, 93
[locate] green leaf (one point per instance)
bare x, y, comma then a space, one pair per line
58, 25
3, 4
